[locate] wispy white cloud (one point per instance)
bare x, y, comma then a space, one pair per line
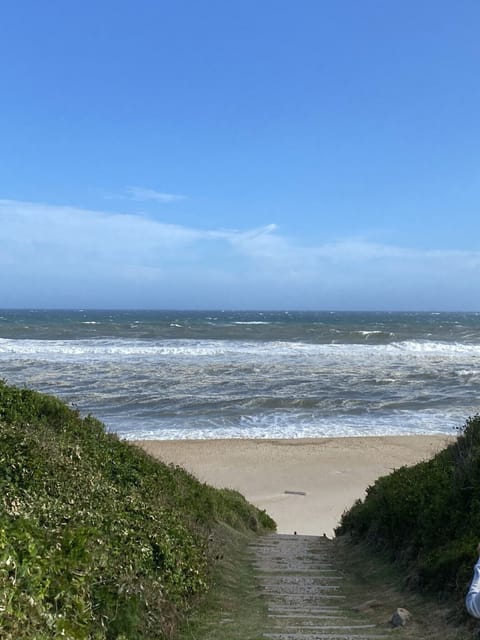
45, 233
142, 194
53, 246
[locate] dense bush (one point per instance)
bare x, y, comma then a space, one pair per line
97, 539
427, 516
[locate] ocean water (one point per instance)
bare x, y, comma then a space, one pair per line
219, 374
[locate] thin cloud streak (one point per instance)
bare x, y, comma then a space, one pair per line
58, 245
28, 223
141, 194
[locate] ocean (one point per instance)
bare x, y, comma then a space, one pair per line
251, 374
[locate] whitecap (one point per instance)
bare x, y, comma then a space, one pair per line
252, 322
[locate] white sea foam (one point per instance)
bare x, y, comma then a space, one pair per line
427, 347
122, 348
175, 388
468, 372
369, 333
281, 426
253, 322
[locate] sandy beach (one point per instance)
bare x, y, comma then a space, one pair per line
305, 485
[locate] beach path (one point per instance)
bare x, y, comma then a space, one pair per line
305, 485
302, 586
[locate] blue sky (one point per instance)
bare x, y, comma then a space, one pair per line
239, 154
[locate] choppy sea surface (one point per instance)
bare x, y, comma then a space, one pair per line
220, 374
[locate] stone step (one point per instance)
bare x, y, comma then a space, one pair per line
299, 610
324, 636
297, 579
299, 616
337, 628
304, 614
303, 591
295, 589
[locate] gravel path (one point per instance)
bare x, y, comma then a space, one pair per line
303, 590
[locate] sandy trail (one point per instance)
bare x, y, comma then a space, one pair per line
305, 485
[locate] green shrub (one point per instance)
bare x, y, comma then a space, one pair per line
97, 539
427, 517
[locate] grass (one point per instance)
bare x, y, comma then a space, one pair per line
370, 575
233, 609
97, 539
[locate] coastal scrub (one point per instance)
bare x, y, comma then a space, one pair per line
97, 539
427, 517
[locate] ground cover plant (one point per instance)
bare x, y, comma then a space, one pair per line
427, 517
97, 539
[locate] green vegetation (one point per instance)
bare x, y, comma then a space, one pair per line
371, 576
233, 608
97, 539
427, 517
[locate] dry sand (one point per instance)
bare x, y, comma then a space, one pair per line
324, 475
